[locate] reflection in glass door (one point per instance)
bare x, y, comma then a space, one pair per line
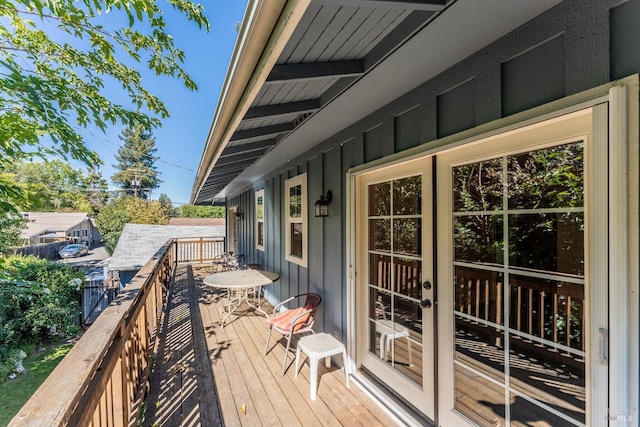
395, 274
394, 280
519, 279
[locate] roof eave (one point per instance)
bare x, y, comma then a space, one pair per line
266, 28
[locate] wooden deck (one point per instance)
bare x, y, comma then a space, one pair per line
205, 375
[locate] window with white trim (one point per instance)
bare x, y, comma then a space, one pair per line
295, 190
260, 220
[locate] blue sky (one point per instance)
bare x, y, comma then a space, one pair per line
181, 139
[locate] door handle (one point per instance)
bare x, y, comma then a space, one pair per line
425, 303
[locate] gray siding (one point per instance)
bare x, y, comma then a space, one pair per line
572, 47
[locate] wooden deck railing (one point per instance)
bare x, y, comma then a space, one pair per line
200, 249
405, 274
539, 308
102, 379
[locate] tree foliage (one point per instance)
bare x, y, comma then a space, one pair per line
121, 211
167, 205
60, 59
50, 186
11, 226
137, 174
194, 211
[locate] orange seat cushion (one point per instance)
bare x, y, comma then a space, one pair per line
283, 321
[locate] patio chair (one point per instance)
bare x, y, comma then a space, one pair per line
220, 261
294, 321
234, 262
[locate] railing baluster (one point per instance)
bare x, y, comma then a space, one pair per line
487, 299
555, 318
477, 308
542, 315
499, 312
530, 302
568, 321
519, 308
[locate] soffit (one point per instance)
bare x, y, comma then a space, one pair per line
355, 56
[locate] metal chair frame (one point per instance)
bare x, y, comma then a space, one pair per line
290, 331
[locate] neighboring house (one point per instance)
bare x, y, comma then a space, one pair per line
479, 161
49, 227
138, 243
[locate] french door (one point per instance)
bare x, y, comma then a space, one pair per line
395, 280
518, 274
515, 272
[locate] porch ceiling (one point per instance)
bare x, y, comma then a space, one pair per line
356, 55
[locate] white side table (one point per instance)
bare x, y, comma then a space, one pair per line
317, 346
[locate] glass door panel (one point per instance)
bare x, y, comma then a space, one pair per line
396, 345
519, 278
395, 274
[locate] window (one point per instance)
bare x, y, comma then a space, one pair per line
296, 219
260, 220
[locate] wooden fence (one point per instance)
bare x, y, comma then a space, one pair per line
101, 381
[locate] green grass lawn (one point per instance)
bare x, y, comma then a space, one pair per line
15, 393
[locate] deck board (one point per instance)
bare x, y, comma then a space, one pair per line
241, 373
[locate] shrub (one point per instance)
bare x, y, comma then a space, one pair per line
36, 297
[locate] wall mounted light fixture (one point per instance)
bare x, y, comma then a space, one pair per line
238, 215
322, 205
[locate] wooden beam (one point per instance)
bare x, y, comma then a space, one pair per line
429, 5
399, 35
238, 158
272, 130
275, 110
252, 146
231, 167
315, 70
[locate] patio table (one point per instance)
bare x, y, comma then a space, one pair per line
238, 283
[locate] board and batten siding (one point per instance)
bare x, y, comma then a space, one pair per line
570, 48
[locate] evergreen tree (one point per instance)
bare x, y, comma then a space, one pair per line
137, 174
167, 205
97, 190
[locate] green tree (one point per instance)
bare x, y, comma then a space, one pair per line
194, 211
11, 226
167, 205
59, 60
123, 210
49, 186
137, 174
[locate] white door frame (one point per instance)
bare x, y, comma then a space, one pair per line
420, 395
568, 128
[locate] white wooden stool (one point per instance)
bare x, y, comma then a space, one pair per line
317, 346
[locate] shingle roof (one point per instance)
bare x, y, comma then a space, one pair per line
139, 242
40, 222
